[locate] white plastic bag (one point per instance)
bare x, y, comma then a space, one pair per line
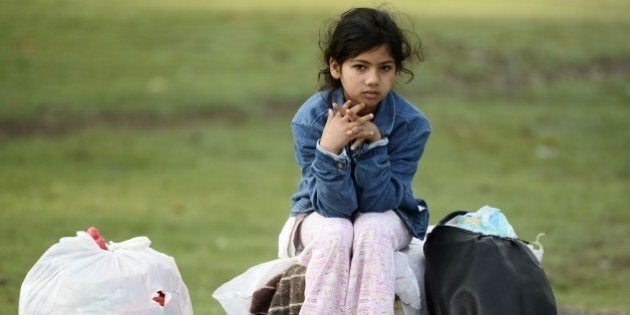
76, 276
412, 297
407, 288
235, 296
537, 248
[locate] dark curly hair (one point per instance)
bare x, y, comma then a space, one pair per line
359, 30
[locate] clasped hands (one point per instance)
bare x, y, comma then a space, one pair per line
345, 125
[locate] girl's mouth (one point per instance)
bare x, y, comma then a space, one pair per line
371, 94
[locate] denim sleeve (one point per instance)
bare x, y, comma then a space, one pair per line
326, 175
383, 177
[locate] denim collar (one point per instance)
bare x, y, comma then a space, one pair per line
384, 115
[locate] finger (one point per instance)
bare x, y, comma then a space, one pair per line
357, 129
360, 131
357, 120
344, 108
347, 104
354, 129
354, 116
351, 115
357, 143
365, 118
366, 134
330, 115
357, 108
337, 112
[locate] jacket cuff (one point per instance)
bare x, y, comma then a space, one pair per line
333, 162
379, 143
367, 147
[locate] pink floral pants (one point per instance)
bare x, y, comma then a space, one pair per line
350, 265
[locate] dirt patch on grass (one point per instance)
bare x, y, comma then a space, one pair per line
57, 126
502, 78
49, 124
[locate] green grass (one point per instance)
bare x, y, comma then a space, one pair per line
170, 119
198, 197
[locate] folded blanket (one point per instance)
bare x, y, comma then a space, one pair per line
261, 299
282, 295
289, 295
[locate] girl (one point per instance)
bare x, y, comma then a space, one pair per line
358, 144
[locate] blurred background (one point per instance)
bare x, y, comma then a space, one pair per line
170, 119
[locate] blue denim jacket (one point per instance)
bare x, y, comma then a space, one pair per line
374, 177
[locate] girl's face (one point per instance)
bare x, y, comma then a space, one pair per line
366, 78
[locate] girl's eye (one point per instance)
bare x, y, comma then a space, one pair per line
360, 67
386, 68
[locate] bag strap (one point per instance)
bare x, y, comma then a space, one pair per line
451, 215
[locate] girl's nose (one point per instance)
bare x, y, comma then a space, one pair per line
372, 78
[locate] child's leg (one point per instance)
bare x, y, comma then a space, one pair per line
372, 271
327, 244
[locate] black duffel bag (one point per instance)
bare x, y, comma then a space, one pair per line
472, 273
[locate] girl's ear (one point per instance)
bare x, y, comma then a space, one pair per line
335, 68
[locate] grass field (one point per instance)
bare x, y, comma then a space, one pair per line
170, 119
